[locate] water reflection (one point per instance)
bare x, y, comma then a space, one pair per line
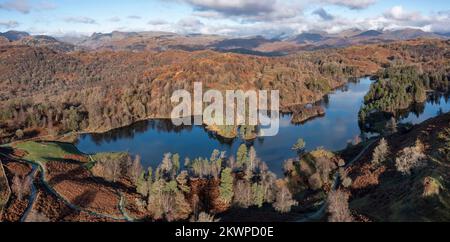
340, 125
436, 104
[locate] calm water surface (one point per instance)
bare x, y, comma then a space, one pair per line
152, 139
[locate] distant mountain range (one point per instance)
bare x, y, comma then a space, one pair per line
14, 35
255, 45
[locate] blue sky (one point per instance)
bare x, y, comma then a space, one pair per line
229, 17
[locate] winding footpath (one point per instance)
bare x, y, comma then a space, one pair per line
322, 210
33, 194
37, 165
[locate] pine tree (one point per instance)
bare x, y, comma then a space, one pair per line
242, 155
226, 186
258, 195
176, 163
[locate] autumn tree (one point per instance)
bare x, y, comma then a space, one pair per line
289, 167
338, 208
167, 201
182, 180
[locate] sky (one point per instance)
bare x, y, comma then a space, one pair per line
226, 17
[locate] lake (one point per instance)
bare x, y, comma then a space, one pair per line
153, 138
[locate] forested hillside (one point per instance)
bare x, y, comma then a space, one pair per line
43, 91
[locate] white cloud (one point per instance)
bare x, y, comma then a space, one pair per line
25, 7
399, 13
9, 24
134, 17
114, 19
22, 6
247, 10
157, 22
323, 14
190, 25
80, 20
45, 5
352, 4
235, 7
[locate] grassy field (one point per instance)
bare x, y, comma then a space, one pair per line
50, 151
43, 152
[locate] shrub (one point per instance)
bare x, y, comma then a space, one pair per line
431, 187
19, 134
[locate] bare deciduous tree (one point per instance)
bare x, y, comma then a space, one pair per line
135, 169
338, 207
113, 170
205, 218
284, 201
243, 194
381, 152
410, 158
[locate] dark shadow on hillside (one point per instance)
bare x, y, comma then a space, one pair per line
85, 199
